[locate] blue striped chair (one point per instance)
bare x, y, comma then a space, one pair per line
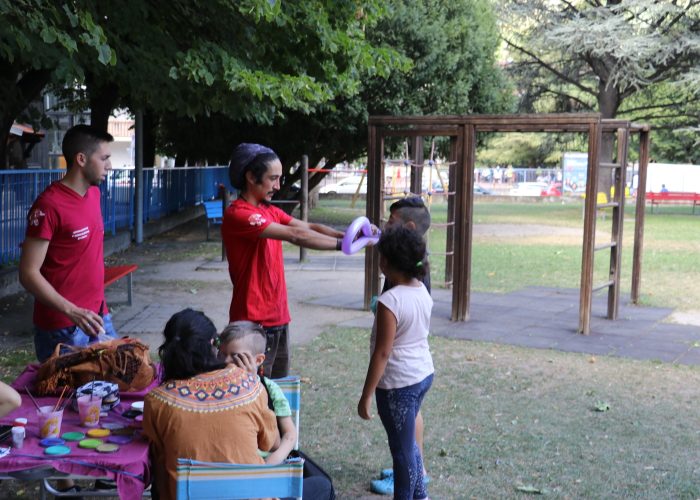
218, 481
291, 387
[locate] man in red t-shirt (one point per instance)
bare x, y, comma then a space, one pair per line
62, 262
253, 231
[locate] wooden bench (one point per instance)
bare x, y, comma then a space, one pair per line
673, 197
214, 210
115, 273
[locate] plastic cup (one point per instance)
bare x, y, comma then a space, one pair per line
89, 408
49, 421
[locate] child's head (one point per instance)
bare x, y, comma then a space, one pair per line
242, 337
402, 249
411, 212
188, 347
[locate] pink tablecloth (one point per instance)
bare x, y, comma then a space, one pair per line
129, 466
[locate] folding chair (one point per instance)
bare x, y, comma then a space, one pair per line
219, 481
291, 387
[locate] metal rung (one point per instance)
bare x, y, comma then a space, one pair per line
608, 205
609, 165
604, 285
605, 245
441, 253
443, 224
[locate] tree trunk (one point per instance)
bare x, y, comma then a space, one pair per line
103, 98
149, 138
608, 102
16, 94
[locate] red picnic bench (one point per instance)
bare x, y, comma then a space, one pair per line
115, 273
673, 197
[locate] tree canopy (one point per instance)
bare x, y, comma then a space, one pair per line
451, 46
632, 59
250, 60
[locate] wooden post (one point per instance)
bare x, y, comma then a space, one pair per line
375, 174
639, 215
304, 206
618, 222
586, 292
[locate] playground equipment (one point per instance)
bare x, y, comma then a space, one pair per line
462, 132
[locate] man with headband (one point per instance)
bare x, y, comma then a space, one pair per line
253, 231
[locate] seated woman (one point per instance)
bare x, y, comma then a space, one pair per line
204, 409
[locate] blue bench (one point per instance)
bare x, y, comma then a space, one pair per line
214, 211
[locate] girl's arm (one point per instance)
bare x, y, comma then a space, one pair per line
289, 439
386, 331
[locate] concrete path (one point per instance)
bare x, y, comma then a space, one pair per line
327, 290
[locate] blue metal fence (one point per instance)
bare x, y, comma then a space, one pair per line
166, 191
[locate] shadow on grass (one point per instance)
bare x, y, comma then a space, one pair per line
501, 419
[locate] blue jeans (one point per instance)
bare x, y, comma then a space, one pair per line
45, 341
397, 409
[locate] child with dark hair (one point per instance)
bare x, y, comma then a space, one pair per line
199, 397
411, 213
400, 370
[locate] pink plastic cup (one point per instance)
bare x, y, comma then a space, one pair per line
49, 421
89, 410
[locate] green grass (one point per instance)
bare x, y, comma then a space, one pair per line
500, 417
13, 361
503, 262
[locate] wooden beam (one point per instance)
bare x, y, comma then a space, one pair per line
644, 139
375, 174
588, 253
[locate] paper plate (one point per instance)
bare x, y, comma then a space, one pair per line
120, 439
90, 444
73, 436
137, 405
51, 442
107, 448
98, 433
57, 450
112, 426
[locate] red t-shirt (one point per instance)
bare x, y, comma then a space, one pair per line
74, 263
256, 265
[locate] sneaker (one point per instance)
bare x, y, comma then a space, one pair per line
383, 486
386, 473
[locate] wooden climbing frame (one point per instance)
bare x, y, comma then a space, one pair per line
462, 131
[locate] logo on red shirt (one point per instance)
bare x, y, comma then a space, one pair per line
81, 234
35, 216
256, 220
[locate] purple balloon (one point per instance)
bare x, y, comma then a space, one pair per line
350, 244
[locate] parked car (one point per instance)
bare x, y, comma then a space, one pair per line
528, 189
554, 189
348, 185
480, 191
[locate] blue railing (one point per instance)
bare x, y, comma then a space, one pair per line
166, 191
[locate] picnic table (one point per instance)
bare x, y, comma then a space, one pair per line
129, 467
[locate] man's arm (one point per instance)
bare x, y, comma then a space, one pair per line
302, 234
30, 262
319, 228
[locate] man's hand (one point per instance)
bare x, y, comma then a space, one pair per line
88, 321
